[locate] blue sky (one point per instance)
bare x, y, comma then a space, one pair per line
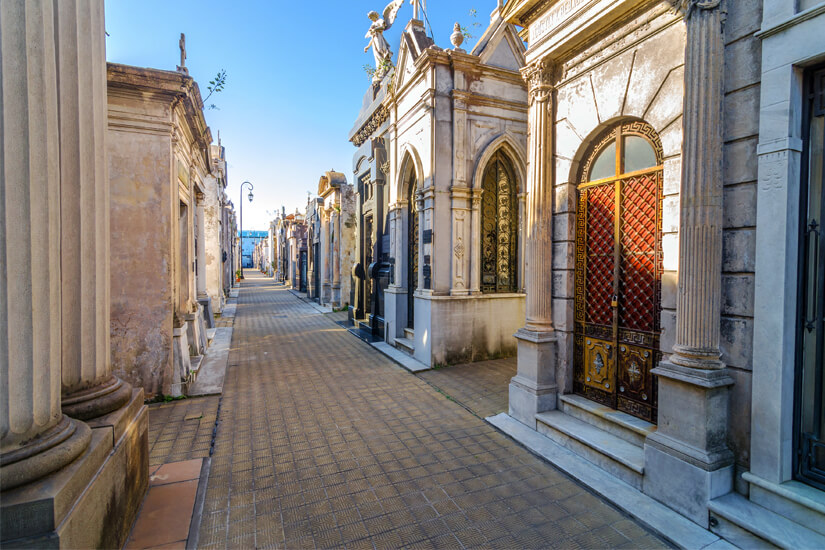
295, 78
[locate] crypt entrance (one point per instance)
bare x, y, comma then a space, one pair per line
618, 270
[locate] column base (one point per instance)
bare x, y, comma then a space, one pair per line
93, 501
99, 400
48, 452
533, 389
687, 461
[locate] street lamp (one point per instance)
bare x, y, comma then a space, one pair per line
241, 228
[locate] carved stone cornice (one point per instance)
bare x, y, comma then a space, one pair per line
541, 77
686, 7
378, 118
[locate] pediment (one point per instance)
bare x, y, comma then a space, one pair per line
414, 41
500, 46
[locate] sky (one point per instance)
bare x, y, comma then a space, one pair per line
295, 78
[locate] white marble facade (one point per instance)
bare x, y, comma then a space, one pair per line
451, 115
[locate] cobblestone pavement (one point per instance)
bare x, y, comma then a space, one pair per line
481, 387
181, 430
324, 442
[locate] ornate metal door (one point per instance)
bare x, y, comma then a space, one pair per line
499, 227
809, 402
618, 271
412, 250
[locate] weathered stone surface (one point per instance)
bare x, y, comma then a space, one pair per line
739, 166
739, 251
736, 342
737, 295
741, 113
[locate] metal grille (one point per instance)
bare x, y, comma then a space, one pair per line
499, 232
412, 250
639, 273
600, 254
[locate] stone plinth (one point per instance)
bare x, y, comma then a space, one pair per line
533, 389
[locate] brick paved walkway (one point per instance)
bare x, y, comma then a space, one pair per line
482, 387
181, 430
324, 442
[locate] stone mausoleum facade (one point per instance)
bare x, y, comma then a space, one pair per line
456, 143
160, 171
673, 222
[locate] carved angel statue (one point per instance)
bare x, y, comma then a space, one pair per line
380, 46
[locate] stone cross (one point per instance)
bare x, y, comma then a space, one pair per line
182, 44
416, 4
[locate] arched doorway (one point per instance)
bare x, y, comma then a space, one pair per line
412, 246
618, 270
499, 226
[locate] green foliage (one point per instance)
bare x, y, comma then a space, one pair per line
216, 85
474, 23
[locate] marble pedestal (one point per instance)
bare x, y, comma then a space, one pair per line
533, 388
687, 460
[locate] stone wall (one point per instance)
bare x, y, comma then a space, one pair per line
141, 257
743, 56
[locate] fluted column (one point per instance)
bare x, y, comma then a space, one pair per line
89, 387
694, 386
533, 389
335, 243
698, 304
36, 438
539, 241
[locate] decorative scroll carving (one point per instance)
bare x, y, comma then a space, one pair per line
370, 126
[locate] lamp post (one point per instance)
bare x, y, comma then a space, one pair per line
241, 224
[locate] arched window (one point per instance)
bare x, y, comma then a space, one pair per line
499, 226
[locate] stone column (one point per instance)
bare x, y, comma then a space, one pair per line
36, 438
335, 243
89, 388
687, 461
533, 389
326, 282
475, 251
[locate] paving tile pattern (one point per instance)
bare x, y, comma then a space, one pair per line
181, 430
481, 387
324, 442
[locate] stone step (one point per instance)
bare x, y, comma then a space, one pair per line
409, 333
748, 525
631, 429
405, 344
607, 451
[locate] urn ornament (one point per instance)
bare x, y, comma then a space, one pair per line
457, 38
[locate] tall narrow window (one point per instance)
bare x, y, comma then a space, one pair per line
809, 406
499, 227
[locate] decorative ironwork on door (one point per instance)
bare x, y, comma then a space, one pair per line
412, 249
499, 227
618, 270
809, 402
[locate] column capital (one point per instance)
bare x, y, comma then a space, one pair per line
687, 7
540, 76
